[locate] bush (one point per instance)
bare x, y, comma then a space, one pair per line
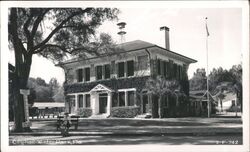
124, 112
84, 112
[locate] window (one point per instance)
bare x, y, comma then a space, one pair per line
175, 71
131, 98
87, 100
121, 69
159, 67
98, 72
87, 74
121, 99
165, 68
107, 71
80, 101
143, 62
130, 68
79, 75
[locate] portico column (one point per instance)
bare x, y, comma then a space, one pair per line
109, 104
126, 98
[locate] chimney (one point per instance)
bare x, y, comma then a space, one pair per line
166, 29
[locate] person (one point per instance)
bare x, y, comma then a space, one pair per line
66, 120
66, 125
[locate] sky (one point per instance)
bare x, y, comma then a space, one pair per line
187, 36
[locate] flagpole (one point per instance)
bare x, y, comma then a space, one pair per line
208, 102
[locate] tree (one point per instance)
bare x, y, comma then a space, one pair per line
70, 31
227, 80
160, 86
199, 80
54, 86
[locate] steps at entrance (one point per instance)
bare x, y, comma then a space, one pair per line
99, 116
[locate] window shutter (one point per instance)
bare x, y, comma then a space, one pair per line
92, 71
83, 75
136, 66
116, 70
112, 70
95, 72
125, 69
162, 67
75, 75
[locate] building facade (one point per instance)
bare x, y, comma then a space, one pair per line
114, 84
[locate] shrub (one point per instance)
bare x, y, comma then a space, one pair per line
124, 112
84, 112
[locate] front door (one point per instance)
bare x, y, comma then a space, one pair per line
103, 98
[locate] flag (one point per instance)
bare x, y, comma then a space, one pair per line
207, 27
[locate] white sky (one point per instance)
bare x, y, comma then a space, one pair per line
187, 36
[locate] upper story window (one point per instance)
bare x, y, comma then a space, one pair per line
107, 71
87, 74
99, 72
130, 68
121, 69
79, 75
143, 62
159, 67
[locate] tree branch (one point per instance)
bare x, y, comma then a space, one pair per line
59, 27
27, 32
65, 50
38, 21
17, 43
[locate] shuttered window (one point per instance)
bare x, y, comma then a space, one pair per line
159, 67
87, 74
121, 69
79, 75
98, 72
107, 71
130, 68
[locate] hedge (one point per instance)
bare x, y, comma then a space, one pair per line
84, 112
125, 112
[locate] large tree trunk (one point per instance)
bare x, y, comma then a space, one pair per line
23, 59
22, 72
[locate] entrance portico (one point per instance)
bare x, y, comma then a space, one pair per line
101, 99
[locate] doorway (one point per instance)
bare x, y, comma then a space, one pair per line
103, 98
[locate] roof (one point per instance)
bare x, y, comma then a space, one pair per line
135, 45
130, 46
200, 95
43, 105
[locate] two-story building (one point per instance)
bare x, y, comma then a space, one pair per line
114, 84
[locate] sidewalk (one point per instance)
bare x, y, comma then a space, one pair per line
119, 127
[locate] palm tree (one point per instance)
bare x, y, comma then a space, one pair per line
160, 86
